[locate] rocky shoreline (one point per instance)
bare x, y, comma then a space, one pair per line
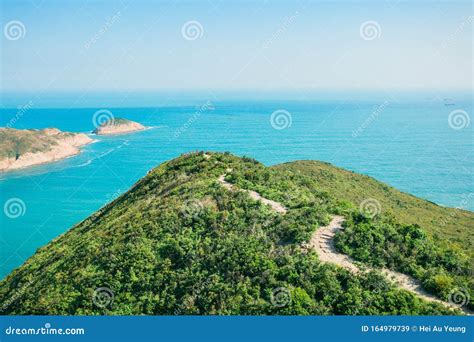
56, 145
29, 147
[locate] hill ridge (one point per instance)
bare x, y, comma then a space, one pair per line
179, 242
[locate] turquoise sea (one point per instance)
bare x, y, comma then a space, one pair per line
407, 144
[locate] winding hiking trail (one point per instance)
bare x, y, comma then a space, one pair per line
322, 242
278, 207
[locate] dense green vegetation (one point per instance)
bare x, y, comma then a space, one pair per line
178, 242
416, 237
383, 242
442, 223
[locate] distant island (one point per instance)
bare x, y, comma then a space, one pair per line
24, 148
118, 126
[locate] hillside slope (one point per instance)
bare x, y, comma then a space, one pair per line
179, 242
451, 224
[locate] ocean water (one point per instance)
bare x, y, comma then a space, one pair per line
409, 145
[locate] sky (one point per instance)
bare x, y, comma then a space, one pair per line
90, 46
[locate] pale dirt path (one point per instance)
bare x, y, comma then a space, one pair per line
323, 243
278, 207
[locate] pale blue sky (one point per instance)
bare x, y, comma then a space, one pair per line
244, 45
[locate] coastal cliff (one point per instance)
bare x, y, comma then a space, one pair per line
118, 126
24, 148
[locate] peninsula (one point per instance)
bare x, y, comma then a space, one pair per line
24, 148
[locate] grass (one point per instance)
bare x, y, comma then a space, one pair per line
14, 142
443, 223
178, 243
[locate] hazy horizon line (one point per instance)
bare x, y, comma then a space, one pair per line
208, 89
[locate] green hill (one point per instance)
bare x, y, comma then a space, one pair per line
445, 223
178, 242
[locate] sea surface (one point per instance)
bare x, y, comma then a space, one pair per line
410, 145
